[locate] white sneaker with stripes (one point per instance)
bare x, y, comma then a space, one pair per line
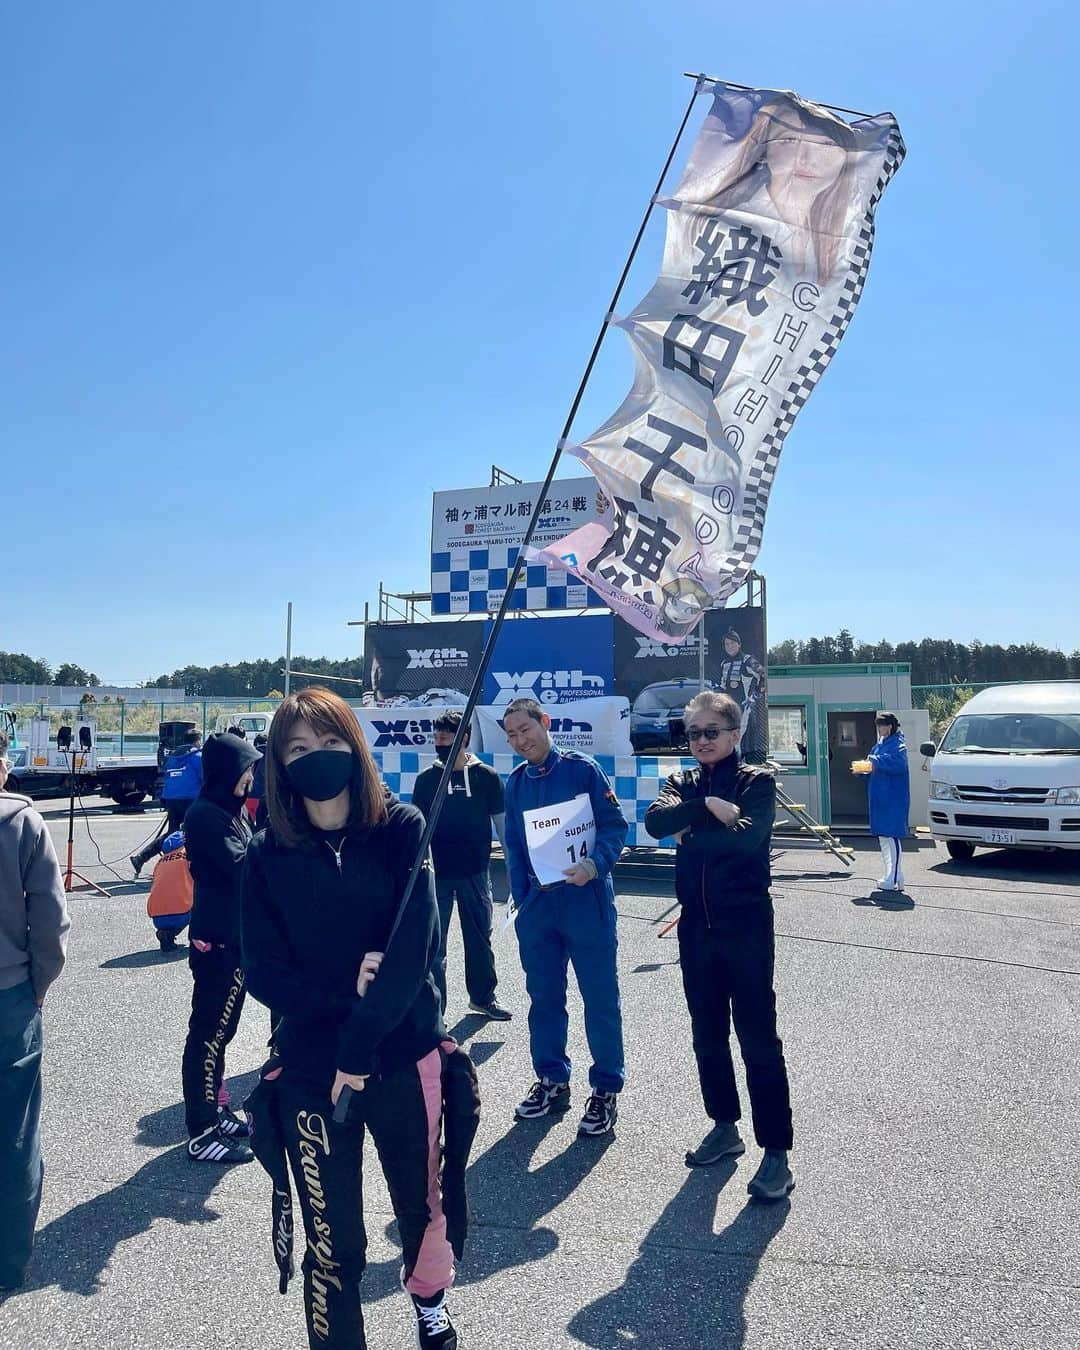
213, 1146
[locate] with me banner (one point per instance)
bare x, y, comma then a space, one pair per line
768, 243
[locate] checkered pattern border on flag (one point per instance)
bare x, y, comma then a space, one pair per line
636, 780
473, 581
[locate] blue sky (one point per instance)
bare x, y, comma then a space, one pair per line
272, 273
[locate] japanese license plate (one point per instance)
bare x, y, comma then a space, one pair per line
999, 836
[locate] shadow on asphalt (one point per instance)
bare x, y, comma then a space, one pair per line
890, 900
507, 1203
467, 1026
668, 1301
138, 960
73, 1251
481, 1051
59, 812
1015, 864
122, 889
159, 1129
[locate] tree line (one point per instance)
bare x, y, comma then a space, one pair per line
257, 679
932, 660
18, 668
935, 660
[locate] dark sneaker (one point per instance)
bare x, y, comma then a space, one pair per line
213, 1146
601, 1113
136, 860
434, 1330
231, 1125
773, 1179
166, 940
492, 1010
722, 1141
545, 1099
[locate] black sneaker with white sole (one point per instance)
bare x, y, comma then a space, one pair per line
545, 1098
601, 1113
232, 1125
213, 1146
434, 1330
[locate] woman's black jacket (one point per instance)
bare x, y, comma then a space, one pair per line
308, 924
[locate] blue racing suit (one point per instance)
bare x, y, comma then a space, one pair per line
560, 923
182, 775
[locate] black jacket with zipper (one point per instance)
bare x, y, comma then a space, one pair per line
216, 837
309, 916
717, 866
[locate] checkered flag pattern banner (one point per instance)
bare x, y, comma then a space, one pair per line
474, 580
476, 534
636, 781
768, 244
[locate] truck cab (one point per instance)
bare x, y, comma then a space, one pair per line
1007, 771
252, 724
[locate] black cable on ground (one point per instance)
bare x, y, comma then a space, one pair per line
956, 909
107, 867
942, 956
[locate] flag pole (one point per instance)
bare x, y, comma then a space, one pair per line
496, 627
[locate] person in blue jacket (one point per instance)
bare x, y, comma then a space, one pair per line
564, 834
182, 780
889, 791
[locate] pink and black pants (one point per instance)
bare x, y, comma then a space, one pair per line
403, 1112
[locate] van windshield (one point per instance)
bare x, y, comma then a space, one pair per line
1014, 734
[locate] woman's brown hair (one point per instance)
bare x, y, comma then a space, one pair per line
741, 179
324, 711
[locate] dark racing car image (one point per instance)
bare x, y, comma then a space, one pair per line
656, 719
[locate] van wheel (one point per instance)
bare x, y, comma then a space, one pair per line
960, 851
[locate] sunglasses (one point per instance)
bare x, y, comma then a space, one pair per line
710, 733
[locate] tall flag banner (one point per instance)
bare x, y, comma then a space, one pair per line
768, 243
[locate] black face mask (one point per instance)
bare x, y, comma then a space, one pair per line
321, 774
443, 752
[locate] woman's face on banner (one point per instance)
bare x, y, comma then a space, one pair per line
803, 163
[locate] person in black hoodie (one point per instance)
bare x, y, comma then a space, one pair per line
216, 836
721, 816
322, 886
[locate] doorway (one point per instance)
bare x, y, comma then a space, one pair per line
850, 737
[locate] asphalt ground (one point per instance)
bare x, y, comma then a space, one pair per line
933, 1055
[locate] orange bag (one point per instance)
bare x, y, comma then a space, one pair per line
172, 890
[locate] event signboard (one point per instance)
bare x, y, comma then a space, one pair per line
734, 663
555, 660
422, 663
596, 726
476, 534
565, 661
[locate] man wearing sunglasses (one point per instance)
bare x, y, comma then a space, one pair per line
721, 816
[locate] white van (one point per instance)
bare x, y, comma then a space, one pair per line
1007, 771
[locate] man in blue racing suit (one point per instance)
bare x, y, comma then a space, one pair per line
564, 834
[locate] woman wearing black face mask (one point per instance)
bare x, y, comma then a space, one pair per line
321, 888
